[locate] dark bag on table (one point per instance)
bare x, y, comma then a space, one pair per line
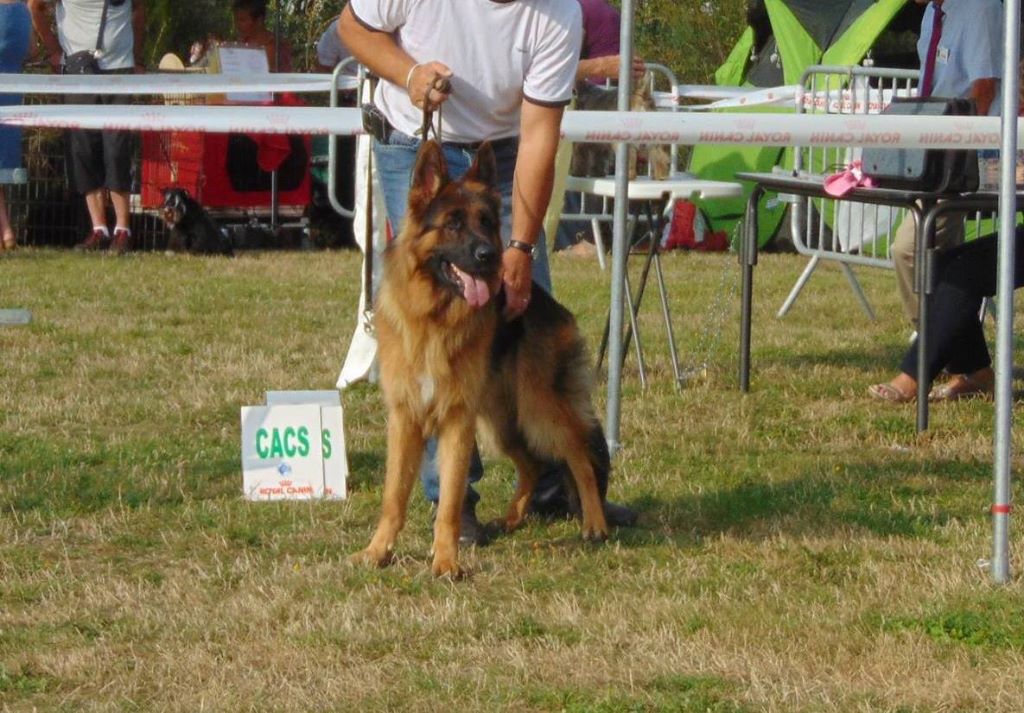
929, 170
87, 61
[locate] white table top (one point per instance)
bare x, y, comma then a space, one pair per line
680, 185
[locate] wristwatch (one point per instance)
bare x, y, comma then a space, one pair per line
520, 245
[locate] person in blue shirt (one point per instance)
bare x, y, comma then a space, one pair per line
965, 57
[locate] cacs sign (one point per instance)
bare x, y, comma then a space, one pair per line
293, 450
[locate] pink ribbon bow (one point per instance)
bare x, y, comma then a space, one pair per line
839, 184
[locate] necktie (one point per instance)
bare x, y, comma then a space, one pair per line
927, 78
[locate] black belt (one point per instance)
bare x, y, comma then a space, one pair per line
496, 144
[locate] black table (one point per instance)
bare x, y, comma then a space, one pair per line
925, 208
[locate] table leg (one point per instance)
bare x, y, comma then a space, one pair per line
748, 259
922, 280
633, 309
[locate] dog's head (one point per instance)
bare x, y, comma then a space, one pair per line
174, 206
453, 228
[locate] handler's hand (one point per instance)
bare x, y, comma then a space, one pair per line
429, 84
516, 276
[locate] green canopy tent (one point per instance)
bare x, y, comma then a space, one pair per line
783, 38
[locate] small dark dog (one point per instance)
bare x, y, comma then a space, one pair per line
192, 228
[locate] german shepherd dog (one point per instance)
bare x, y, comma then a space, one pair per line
449, 363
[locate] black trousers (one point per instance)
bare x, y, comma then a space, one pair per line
100, 159
967, 274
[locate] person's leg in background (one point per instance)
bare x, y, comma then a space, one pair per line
8, 240
118, 153
949, 232
85, 153
966, 275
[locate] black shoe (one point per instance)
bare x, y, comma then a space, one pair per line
619, 515
471, 530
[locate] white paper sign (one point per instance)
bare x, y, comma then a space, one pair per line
282, 452
244, 61
335, 454
332, 434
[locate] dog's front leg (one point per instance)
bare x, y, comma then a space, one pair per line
405, 451
455, 447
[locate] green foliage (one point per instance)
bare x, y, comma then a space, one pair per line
691, 37
173, 26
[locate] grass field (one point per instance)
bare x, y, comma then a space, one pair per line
800, 548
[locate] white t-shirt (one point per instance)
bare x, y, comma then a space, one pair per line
970, 47
78, 23
500, 53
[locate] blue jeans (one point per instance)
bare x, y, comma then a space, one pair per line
395, 162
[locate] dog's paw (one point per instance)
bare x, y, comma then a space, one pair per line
447, 567
371, 558
509, 524
594, 534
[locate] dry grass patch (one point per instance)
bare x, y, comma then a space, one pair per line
800, 547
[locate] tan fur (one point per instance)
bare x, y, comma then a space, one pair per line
437, 368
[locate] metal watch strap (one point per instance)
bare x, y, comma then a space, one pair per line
520, 245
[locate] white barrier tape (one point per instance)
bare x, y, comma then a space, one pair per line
850, 101
185, 83
776, 96
714, 92
783, 129
214, 119
585, 126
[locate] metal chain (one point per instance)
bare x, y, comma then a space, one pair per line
714, 320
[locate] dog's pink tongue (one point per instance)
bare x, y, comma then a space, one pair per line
473, 289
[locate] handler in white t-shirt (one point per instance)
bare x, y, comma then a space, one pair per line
511, 65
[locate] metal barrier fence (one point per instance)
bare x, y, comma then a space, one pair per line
45, 209
840, 231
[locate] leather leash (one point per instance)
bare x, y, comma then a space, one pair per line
443, 85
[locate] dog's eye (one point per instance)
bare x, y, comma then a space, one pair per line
453, 225
487, 223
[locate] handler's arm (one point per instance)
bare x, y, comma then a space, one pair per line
983, 92
42, 23
531, 192
138, 32
379, 52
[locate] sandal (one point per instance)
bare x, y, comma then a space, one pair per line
963, 386
888, 392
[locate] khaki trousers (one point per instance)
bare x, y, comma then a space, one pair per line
949, 231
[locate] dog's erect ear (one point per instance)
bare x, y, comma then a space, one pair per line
485, 167
431, 171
